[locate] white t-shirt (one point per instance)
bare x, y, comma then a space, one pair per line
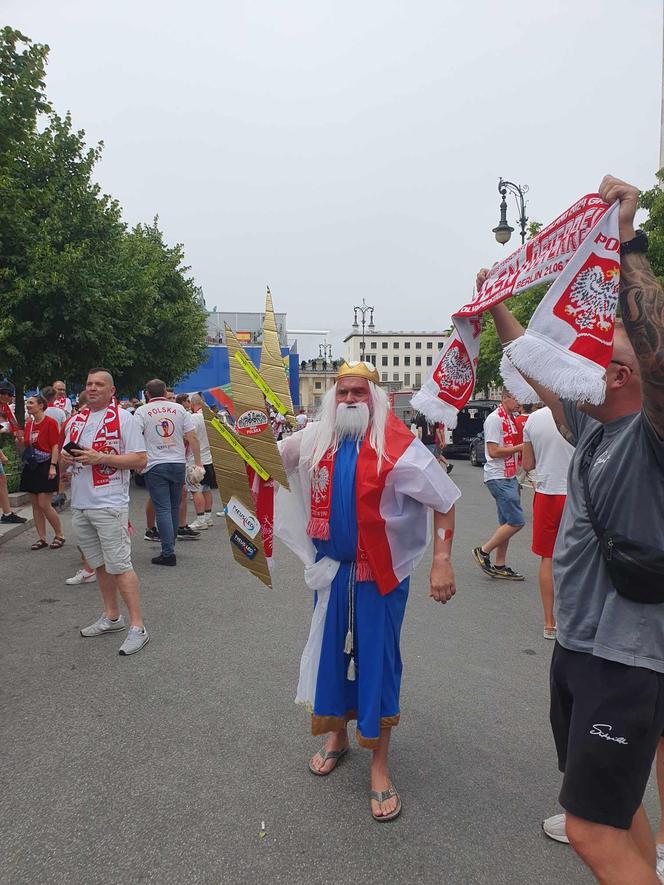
115, 495
203, 442
552, 452
493, 432
301, 421
164, 424
58, 414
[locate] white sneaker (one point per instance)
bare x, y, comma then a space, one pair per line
103, 625
220, 513
199, 524
554, 827
82, 577
209, 522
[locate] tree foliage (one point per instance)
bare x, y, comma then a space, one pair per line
653, 201
78, 288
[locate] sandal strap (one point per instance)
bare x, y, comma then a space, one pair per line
381, 797
331, 754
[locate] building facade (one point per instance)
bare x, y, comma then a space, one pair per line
403, 359
316, 378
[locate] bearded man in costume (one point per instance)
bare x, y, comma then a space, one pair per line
362, 485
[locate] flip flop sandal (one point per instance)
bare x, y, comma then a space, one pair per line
380, 798
337, 755
39, 545
57, 543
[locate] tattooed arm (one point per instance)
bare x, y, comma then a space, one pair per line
642, 304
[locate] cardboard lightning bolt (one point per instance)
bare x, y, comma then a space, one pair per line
246, 459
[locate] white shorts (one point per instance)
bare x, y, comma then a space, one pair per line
103, 538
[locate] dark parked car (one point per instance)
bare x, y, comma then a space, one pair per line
476, 453
470, 422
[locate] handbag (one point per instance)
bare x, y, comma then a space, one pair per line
636, 569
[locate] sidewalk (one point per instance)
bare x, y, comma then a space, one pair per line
10, 530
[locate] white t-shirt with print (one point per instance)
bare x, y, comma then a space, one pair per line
164, 424
115, 495
552, 452
203, 442
493, 432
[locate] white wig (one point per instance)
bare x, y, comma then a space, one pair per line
326, 434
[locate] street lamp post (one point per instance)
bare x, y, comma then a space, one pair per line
363, 309
325, 353
503, 231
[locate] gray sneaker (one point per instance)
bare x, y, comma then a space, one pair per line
137, 637
104, 625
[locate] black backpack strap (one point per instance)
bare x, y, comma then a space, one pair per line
584, 470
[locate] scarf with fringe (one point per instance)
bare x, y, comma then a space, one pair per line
569, 340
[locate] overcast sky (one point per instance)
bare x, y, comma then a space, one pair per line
339, 150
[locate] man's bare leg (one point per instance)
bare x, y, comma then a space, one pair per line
499, 541
546, 590
336, 740
380, 774
615, 856
127, 584
4, 496
108, 587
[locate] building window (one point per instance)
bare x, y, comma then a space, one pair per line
418, 345
406, 361
374, 345
395, 360
372, 359
383, 361
395, 345
429, 345
383, 344
406, 345
317, 385
418, 380
429, 360
395, 376
440, 345
406, 379
384, 376
418, 360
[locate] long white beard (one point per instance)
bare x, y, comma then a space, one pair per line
351, 421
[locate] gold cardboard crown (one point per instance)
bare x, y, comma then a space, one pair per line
359, 370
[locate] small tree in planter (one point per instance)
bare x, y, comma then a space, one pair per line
13, 467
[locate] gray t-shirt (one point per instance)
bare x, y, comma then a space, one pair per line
627, 491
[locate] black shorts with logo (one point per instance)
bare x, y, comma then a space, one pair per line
607, 719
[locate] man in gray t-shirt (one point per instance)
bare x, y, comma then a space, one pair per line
607, 670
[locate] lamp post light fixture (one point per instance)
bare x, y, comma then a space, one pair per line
503, 231
363, 309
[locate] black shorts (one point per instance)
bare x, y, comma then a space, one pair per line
607, 719
210, 479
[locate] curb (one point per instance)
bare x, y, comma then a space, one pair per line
17, 530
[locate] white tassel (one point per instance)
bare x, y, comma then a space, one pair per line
348, 647
351, 670
571, 376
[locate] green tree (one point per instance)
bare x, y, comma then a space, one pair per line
77, 287
653, 201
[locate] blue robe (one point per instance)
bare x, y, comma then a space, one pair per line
373, 697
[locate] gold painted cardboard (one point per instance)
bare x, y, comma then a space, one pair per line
272, 366
229, 467
249, 401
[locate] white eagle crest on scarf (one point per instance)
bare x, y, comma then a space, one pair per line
456, 368
594, 298
320, 483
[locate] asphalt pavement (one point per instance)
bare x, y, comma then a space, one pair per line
187, 763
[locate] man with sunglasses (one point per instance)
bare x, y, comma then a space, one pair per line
607, 671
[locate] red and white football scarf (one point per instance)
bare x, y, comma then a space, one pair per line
60, 403
568, 344
511, 437
107, 439
373, 560
9, 416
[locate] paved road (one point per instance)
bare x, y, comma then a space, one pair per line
163, 767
